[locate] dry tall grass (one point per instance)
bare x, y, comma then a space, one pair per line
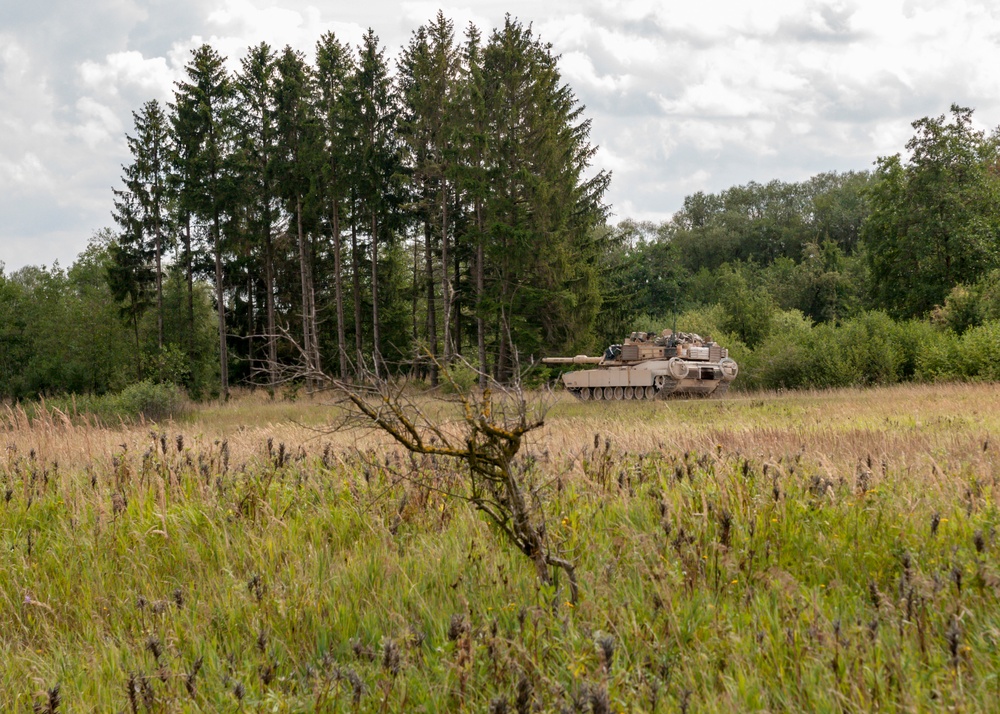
795, 552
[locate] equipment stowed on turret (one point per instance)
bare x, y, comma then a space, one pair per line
649, 366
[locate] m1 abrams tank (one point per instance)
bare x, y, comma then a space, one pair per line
649, 366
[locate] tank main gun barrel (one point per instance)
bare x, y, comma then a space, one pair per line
579, 359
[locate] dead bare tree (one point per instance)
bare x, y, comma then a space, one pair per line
485, 438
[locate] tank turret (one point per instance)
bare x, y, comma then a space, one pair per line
652, 366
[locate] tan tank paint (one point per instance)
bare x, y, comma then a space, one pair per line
650, 366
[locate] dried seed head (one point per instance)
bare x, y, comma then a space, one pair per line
954, 638
725, 527
154, 647
874, 595
522, 704
606, 645
239, 691
180, 443
357, 686
262, 640
267, 673
132, 690
189, 680
498, 705
979, 541
935, 522
390, 657
457, 627
600, 702
54, 700
178, 596
363, 651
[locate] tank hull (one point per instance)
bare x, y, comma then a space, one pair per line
656, 379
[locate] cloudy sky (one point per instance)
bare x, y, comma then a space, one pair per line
684, 96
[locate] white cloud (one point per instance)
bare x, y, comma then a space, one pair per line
683, 96
98, 123
150, 76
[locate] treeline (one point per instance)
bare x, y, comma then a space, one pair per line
851, 278
346, 213
329, 215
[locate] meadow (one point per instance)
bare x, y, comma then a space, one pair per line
807, 551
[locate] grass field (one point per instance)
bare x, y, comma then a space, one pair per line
828, 551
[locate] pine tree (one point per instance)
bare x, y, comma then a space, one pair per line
541, 208
298, 139
255, 84
334, 66
429, 73
373, 119
204, 122
129, 273
470, 170
146, 179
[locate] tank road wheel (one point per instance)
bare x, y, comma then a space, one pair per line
629, 393
598, 393
609, 393
650, 392
619, 393
585, 394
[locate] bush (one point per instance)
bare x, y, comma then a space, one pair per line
145, 400
979, 352
150, 401
871, 352
913, 338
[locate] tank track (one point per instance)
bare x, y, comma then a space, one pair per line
664, 387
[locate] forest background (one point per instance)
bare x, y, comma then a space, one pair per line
302, 216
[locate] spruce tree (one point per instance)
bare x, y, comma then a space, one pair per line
334, 66
255, 84
298, 141
373, 115
204, 120
146, 179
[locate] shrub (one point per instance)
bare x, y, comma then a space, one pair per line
150, 400
979, 352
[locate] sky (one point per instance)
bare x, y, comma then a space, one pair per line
683, 96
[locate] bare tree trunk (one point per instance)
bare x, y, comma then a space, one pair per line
480, 290
356, 278
272, 345
219, 296
313, 319
189, 278
432, 341
159, 285
338, 289
456, 304
445, 285
376, 327
251, 319
415, 293
307, 346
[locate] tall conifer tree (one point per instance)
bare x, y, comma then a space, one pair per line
204, 111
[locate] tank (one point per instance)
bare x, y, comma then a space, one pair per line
650, 366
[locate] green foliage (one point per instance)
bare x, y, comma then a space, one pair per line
935, 219
748, 312
145, 400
